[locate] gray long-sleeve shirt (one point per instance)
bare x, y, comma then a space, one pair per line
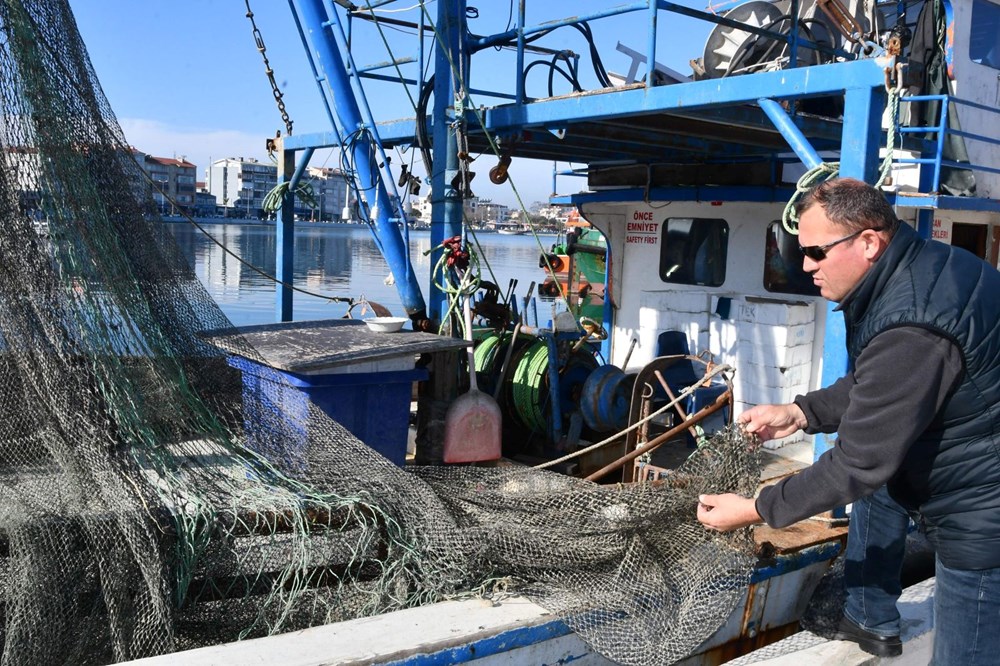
899, 384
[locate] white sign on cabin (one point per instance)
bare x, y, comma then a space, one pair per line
942, 230
640, 229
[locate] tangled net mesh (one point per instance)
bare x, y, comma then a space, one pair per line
134, 520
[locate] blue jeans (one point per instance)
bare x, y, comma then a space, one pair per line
966, 616
876, 543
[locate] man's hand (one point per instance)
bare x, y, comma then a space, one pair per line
728, 512
773, 421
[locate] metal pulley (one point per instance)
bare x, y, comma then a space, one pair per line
498, 174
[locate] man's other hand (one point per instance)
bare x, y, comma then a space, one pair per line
773, 421
728, 512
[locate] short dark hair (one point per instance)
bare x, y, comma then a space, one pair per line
851, 204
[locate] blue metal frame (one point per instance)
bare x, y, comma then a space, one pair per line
320, 31
747, 102
446, 202
814, 81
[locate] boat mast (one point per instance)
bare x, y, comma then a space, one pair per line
357, 134
446, 200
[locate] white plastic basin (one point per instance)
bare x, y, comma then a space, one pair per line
386, 324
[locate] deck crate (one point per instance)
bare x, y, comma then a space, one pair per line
373, 406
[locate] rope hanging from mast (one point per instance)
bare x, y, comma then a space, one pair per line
829, 170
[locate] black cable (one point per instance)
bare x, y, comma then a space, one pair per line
595, 56
552, 66
510, 21
424, 143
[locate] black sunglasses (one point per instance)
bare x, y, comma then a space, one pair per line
818, 252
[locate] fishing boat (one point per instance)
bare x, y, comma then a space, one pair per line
511, 230
687, 181
574, 270
705, 308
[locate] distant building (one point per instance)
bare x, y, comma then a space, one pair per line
330, 191
24, 168
240, 184
480, 212
174, 181
205, 203
559, 214
420, 207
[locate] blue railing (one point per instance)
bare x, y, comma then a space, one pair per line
521, 34
941, 131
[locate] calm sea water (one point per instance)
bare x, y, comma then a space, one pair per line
330, 260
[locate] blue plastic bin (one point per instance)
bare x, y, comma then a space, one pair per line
373, 406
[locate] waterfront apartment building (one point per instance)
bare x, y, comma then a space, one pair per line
173, 180
240, 185
330, 192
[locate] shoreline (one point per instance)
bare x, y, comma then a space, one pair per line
249, 222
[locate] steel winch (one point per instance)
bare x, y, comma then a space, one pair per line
557, 396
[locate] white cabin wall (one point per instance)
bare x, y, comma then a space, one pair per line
773, 340
981, 84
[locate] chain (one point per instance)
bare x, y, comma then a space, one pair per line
259, 39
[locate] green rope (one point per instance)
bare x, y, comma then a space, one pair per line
828, 170
822, 172
468, 283
274, 198
486, 353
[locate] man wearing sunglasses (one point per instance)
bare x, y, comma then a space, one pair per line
917, 412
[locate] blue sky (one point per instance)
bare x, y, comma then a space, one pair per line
184, 76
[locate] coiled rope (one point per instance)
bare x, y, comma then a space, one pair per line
828, 170
468, 268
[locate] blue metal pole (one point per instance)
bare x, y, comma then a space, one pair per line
790, 131
300, 168
446, 203
554, 393
861, 135
284, 228
651, 40
313, 19
942, 130
519, 84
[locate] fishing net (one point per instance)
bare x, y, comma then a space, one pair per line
135, 521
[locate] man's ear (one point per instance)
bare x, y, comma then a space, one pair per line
874, 244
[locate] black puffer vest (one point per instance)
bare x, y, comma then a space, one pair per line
951, 474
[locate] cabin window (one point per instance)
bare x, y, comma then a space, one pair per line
783, 264
984, 35
693, 251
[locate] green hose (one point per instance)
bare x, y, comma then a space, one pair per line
529, 379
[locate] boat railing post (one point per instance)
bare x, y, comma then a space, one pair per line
284, 230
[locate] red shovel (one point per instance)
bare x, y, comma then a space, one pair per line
472, 424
